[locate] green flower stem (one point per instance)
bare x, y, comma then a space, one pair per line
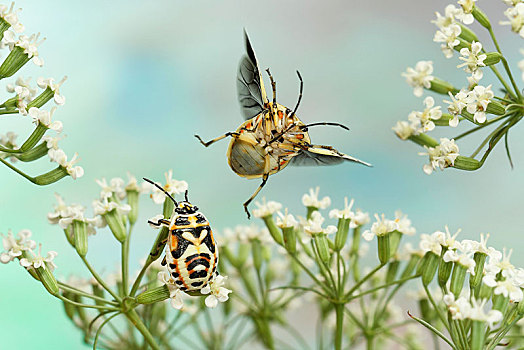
141, 274
20, 172
101, 307
339, 310
355, 319
505, 63
304, 289
9, 150
503, 82
496, 138
100, 280
433, 329
68, 288
324, 270
125, 260
135, 320
369, 291
353, 253
435, 306
95, 342
501, 333
9, 111
477, 128
318, 283
364, 279
486, 140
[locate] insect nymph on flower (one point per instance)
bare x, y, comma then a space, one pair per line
191, 251
272, 135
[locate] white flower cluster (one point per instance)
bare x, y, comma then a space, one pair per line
28, 43
10, 15
246, 234
448, 29
498, 273
515, 15
313, 226
441, 156
380, 227
8, 140
215, 288
473, 60
26, 93
64, 215
470, 308
266, 208
172, 187
419, 77
14, 246
59, 156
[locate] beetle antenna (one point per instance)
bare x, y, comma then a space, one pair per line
305, 127
187, 200
161, 189
300, 94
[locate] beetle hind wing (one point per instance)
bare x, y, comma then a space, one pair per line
321, 155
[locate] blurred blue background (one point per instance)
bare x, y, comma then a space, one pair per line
144, 77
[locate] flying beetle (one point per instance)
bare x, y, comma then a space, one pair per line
272, 135
191, 251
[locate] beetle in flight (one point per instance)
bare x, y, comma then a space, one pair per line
272, 135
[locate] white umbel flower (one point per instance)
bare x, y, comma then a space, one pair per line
15, 245
473, 59
311, 199
448, 36
39, 261
286, 220
419, 77
266, 208
44, 117
381, 227
478, 101
314, 225
10, 15
175, 294
50, 83
172, 187
60, 157
516, 18
216, 292
423, 121
404, 129
441, 156
456, 105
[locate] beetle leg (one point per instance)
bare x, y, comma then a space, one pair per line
264, 180
164, 261
208, 143
160, 222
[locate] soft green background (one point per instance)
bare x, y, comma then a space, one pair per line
144, 76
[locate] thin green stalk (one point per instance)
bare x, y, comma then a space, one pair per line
355, 319
148, 337
364, 279
100, 329
475, 129
486, 140
20, 172
9, 150
100, 280
339, 311
434, 330
9, 111
310, 274
503, 82
68, 288
505, 63
125, 260
100, 307
442, 318
141, 274
380, 287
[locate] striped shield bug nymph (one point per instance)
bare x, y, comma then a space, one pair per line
272, 135
191, 251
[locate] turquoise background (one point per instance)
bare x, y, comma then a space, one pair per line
144, 77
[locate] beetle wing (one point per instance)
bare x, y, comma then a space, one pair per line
250, 86
316, 155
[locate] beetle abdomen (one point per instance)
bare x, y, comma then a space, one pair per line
247, 159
